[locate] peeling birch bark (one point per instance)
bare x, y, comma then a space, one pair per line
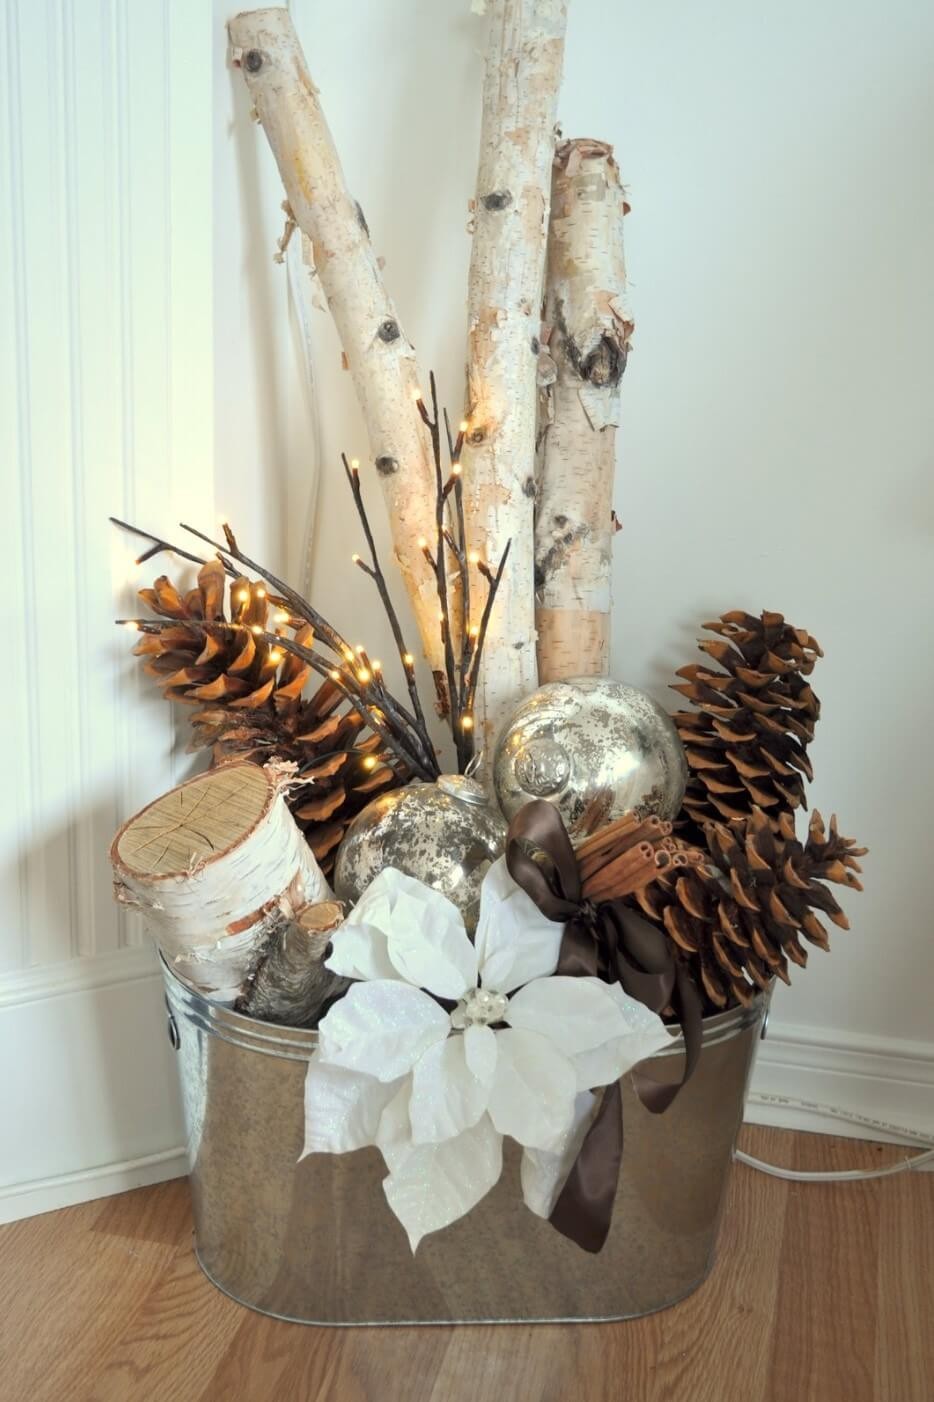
214, 866
523, 73
588, 327
377, 352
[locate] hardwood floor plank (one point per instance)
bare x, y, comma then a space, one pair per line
171, 1347
67, 1292
161, 1214
715, 1345
820, 1292
824, 1341
904, 1361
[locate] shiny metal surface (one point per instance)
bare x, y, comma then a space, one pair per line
572, 742
445, 834
314, 1241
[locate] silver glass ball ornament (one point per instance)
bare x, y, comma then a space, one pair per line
590, 743
446, 834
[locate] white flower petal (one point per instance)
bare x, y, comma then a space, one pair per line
429, 945
381, 1028
358, 950
515, 943
543, 1174
480, 1051
394, 903
644, 1035
394, 1132
575, 1014
432, 1185
533, 1090
447, 1096
342, 1108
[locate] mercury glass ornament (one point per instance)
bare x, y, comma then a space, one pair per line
594, 748
445, 834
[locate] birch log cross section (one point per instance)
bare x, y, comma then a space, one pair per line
588, 325
524, 61
379, 355
214, 866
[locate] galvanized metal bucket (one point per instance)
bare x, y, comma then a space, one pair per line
315, 1242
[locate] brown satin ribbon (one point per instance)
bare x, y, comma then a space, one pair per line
616, 944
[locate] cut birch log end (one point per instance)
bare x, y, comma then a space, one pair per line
213, 866
525, 56
588, 331
378, 354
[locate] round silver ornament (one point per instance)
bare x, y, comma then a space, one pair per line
589, 745
445, 834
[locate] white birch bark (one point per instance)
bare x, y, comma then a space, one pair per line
588, 328
523, 73
378, 353
213, 866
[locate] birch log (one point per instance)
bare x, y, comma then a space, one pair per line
214, 865
378, 354
523, 73
588, 326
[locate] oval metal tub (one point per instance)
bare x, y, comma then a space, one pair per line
315, 1242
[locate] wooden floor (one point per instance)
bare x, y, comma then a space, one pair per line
821, 1294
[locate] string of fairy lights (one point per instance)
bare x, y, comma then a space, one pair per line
400, 725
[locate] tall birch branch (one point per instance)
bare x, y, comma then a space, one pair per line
378, 354
588, 326
524, 60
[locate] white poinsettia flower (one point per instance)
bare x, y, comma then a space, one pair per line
436, 1087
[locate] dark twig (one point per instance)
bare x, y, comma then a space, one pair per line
375, 572
359, 681
373, 710
458, 548
368, 696
300, 606
493, 582
463, 741
158, 544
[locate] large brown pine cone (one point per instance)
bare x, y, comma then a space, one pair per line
251, 701
737, 920
746, 743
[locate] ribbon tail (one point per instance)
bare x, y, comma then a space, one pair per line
584, 1208
657, 1097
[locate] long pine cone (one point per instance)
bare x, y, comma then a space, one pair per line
251, 702
738, 919
746, 741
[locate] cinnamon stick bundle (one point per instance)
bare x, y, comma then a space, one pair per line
628, 854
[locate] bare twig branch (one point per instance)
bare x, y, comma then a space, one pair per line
376, 574
373, 708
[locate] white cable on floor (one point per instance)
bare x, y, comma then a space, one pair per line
848, 1175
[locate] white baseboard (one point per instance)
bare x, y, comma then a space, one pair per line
886, 1079
89, 1099
48, 1194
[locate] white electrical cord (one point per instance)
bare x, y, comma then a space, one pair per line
849, 1175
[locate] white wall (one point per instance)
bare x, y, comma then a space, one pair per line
143, 340
776, 450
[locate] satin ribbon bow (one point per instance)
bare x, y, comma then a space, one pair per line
616, 944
